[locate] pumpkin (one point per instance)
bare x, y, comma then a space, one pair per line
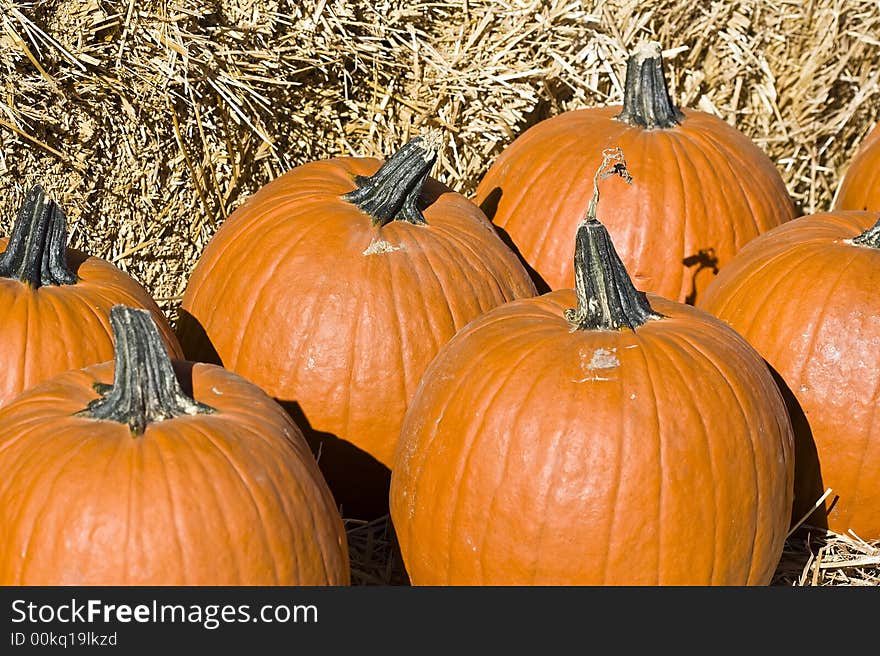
594, 435
114, 475
701, 189
805, 296
333, 287
859, 187
56, 301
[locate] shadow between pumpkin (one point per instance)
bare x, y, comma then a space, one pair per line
489, 207
359, 483
809, 486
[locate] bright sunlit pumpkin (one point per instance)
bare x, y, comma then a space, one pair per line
333, 287
142, 471
701, 188
594, 435
805, 296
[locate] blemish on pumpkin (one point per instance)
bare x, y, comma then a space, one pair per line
217, 391
603, 359
600, 360
831, 353
381, 246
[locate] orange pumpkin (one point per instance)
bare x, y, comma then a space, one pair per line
333, 287
594, 435
701, 188
805, 296
56, 301
140, 483
860, 187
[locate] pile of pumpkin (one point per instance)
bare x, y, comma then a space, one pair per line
564, 380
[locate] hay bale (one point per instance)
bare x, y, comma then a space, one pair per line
150, 122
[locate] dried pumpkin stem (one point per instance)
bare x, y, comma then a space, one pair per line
606, 296
870, 237
646, 101
392, 193
37, 249
145, 388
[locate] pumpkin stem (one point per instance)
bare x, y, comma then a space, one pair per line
646, 101
145, 388
37, 250
870, 237
606, 296
392, 192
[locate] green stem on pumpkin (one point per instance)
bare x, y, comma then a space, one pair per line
606, 296
392, 193
145, 388
870, 237
37, 250
646, 101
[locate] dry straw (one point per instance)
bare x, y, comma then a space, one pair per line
151, 121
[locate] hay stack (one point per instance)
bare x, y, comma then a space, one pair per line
151, 121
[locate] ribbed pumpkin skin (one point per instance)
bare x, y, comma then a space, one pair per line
51, 329
289, 299
860, 187
807, 301
533, 454
232, 498
698, 186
